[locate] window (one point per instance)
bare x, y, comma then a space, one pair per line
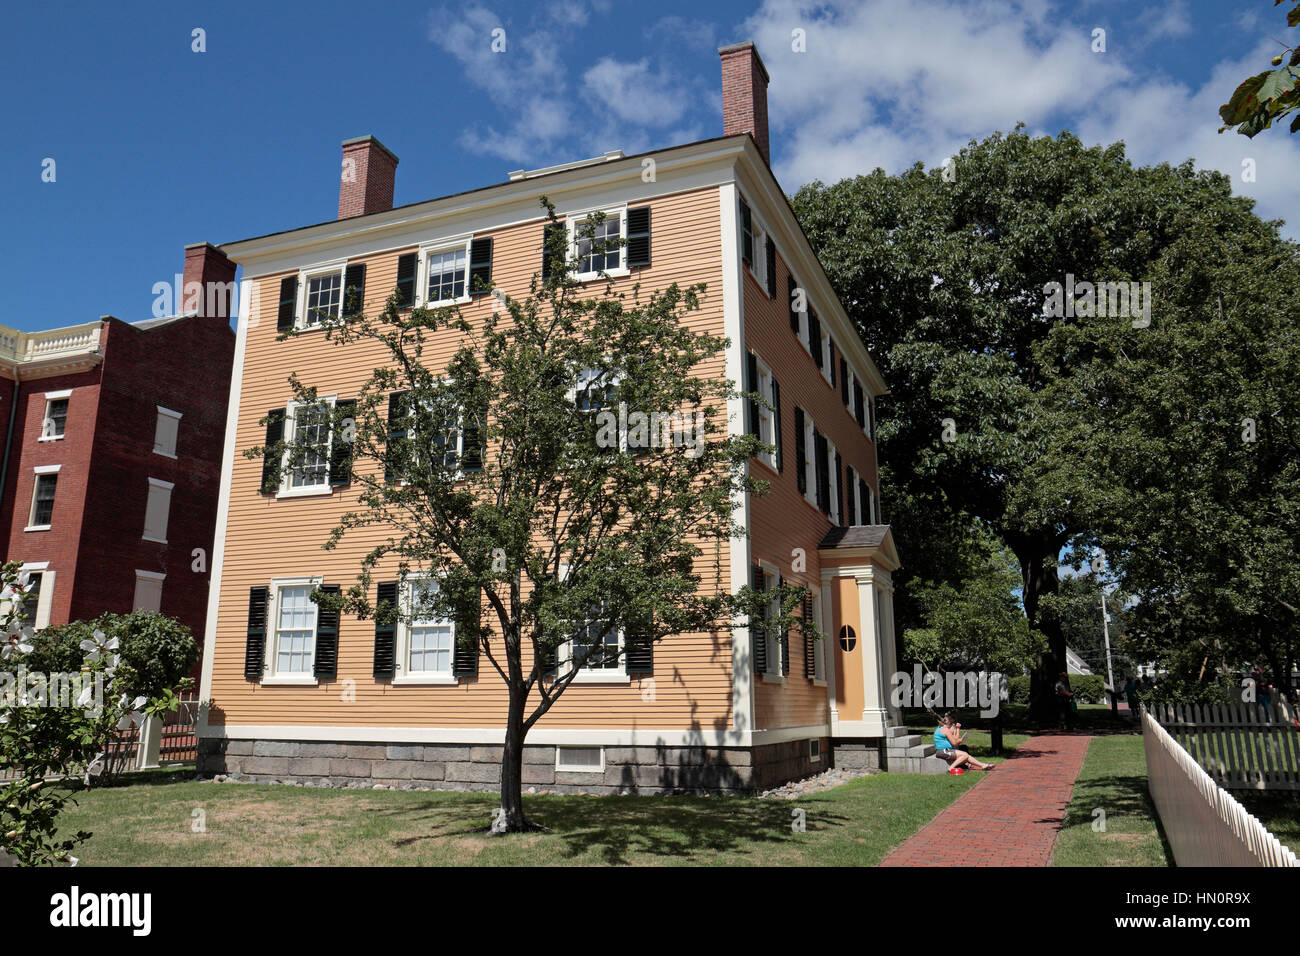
833, 491
810, 469
148, 591
308, 428
430, 645
851, 499
32, 599
767, 424
746, 234
826, 350
859, 405
324, 298
295, 630
55, 422
593, 647
776, 652
580, 759
819, 647
47, 479
157, 510
603, 251
815, 750
446, 271
165, 432
596, 391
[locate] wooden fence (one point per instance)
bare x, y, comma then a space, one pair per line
1205, 824
1242, 746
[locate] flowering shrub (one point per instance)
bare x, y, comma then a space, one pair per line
62, 705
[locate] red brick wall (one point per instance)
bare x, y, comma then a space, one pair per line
370, 172
744, 97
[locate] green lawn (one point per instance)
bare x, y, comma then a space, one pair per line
151, 823
1114, 780
1277, 810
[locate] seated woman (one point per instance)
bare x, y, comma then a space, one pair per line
946, 739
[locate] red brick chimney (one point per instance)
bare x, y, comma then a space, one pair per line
744, 94
366, 183
208, 284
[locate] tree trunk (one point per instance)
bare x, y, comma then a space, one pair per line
512, 819
1038, 573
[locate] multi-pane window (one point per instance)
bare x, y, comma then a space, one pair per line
311, 436
810, 468
746, 234
324, 297
601, 252
43, 500
431, 640
766, 415
772, 581
295, 630
834, 491
446, 276
32, 599
56, 418
595, 647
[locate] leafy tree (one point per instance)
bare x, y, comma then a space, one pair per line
949, 279
501, 478
1267, 97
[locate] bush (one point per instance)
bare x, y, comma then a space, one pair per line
1018, 689
1088, 688
157, 652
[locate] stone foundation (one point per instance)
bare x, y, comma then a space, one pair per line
860, 754
637, 770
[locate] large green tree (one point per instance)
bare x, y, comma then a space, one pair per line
956, 280
498, 476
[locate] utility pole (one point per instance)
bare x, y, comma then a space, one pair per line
1110, 673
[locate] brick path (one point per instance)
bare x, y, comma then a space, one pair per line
1010, 819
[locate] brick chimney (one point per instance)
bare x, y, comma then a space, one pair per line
744, 94
366, 182
208, 283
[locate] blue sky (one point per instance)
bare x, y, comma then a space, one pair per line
156, 146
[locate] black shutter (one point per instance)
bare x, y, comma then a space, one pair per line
327, 638
271, 456
844, 381
850, 489
552, 229
785, 638
859, 405
791, 288
809, 642
751, 385
638, 236
354, 290
769, 249
406, 280
776, 414
480, 267
393, 450
757, 632
385, 634
550, 661
255, 648
472, 442
839, 487
830, 352
464, 661
865, 494
800, 452
871, 420
288, 303
815, 338
340, 449
640, 658
746, 234
823, 475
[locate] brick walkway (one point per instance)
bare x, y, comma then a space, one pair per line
1010, 819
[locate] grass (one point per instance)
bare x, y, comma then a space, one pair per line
1278, 810
151, 821
1114, 780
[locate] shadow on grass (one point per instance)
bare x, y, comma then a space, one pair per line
1120, 795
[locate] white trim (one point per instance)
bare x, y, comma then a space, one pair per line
626, 737
270, 649
431, 247
162, 488
47, 469
733, 313
55, 396
402, 640
223, 494
150, 575
286, 489
571, 220
169, 412
773, 653
159, 483
574, 768
316, 271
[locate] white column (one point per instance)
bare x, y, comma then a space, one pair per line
888, 653
150, 743
874, 700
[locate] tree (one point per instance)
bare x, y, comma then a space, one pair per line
521, 479
1267, 97
955, 283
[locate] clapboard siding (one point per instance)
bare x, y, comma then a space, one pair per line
269, 538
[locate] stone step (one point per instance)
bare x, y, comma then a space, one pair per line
896, 732
903, 743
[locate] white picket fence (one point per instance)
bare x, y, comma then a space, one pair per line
1204, 823
1242, 746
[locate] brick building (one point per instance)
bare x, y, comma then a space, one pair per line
111, 456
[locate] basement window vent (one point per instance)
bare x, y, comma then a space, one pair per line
580, 759
814, 750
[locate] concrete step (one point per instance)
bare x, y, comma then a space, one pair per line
895, 732
903, 743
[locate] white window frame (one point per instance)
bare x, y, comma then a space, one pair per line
437, 247
270, 675
828, 355
819, 647
336, 266
571, 223
810, 460
771, 579
561, 767
164, 413
152, 577
44, 601
31, 514
853, 493
802, 334
605, 675
290, 432
835, 517
869, 427
404, 674
588, 374
54, 397
875, 506
766, 416
166, 486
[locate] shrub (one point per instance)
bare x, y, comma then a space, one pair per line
1018, 689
